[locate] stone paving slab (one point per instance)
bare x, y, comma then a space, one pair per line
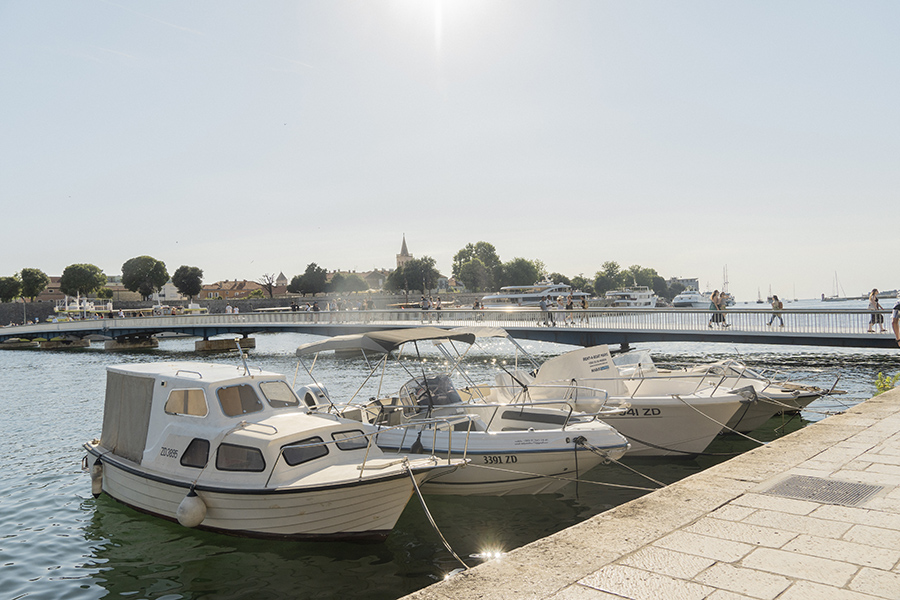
719, 534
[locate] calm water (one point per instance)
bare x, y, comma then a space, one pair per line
59, 542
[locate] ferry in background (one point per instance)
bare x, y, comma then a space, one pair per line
634, 297
514, 296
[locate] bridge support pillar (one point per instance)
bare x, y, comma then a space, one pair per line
142, 343
224, 345
62, 344
18, 344
624, 347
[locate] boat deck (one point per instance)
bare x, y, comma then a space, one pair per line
815, 514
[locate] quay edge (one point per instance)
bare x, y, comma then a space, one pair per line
638, 549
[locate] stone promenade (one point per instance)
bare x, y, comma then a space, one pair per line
812, 516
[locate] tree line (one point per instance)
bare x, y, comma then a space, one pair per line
477, 266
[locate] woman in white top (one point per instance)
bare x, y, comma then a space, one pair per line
876, 317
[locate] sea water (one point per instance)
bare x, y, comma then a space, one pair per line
58, 541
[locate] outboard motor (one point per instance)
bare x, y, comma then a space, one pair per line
313, 396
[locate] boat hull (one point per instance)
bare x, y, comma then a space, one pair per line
537, 462
665, 426
357, 511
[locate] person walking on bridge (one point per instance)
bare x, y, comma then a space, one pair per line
776, 308
876, 316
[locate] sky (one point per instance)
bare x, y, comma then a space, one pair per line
249, 138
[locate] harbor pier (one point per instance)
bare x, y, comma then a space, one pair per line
815, 514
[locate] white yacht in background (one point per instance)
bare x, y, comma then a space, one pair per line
691, 299
633, 297
512, 296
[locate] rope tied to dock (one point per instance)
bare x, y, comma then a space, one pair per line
415, 483
582, 441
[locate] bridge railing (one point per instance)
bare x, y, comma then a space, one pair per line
806, 321
821, 321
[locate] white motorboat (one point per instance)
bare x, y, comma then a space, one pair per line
691, 299
515, 296
664, 418
225, 449
513, 449
777, 394
632, 297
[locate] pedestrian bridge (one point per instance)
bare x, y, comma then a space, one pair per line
808, 327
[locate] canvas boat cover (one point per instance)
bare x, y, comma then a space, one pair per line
384, 341
126, 414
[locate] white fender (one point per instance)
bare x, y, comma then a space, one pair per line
97, 478
191, 511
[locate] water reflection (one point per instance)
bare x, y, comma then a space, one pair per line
59, 542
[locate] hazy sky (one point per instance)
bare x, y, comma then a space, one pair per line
256, 137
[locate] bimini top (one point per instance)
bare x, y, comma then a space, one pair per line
386, 341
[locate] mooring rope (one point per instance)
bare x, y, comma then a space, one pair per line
428, 514
536, 475
580, 440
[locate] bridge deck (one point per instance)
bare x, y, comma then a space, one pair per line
842, 328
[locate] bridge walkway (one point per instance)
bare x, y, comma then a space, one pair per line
840, 328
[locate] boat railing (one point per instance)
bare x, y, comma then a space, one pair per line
418, 425
522, 398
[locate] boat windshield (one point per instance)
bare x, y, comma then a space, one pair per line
431, 390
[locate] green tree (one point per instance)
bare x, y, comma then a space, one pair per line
521, 271
487, 254
34, 281
559, 278
188, 281
144, 274
313, 281
81, 279
580, 282
475, 276
10, 288
105, 293
354, 283
257, 294
336, 284
611, 277
673, 290
416, 274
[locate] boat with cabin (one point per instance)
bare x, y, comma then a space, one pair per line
233, 450
531, 447
519, 296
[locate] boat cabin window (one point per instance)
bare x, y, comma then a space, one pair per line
350, 440
196, 454
279, 394
238, 400
230, 457
304, 451
187, 402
